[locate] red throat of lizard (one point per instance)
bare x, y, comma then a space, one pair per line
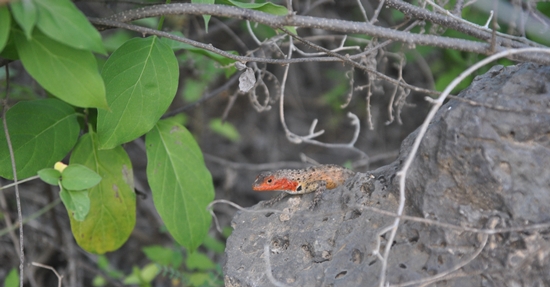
270, 183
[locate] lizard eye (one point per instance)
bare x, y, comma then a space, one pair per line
299, 188
269, 180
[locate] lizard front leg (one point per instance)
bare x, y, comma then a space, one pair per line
275, 199
318, 187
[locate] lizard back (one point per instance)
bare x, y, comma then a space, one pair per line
294, 180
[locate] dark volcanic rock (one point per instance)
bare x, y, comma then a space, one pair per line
484, 163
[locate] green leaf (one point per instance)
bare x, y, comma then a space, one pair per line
213, 244
175, 45
206, 73
10, 51
76, 202
68, 73
113, 201
180, 182
445, 78
12, 280
266, 7
5, 20
134, 278
42, 132
62, 21
226, 130
193, 89
163, 256
149, 272
334, 96
99, 281
198, 278
226, 231
141, 78
222, 60
199, 262
25, 14
205, 17
116, 39
147, 22
50, 175
79, 177
103, 264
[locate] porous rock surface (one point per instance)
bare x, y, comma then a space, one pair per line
484, 163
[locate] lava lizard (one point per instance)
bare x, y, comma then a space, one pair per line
300, 181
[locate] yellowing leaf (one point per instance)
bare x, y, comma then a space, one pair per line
112, 213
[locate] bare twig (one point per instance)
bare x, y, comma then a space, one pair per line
59, 277
451, 21
204, 98
33, 216
496, 107
268, 268
260, 83
377, 12
288, 60
256, 167
491, 231
294, 138
393, 102
323, 23
351, 76
230, 104
443, 275
339, 49
363, 12
9, 226
252, 34
347, 59
19, 182
14, 171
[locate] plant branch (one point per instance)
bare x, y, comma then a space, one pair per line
333, 25
14, 170
346, 59
460, 25
147, 31
59, 277
209, 47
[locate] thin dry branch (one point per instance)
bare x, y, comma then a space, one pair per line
347, 59
325, 24
33, 216
59, 277
530, 227
453, 22
268, 268
15, 181
445, 274
209, 47
204, 98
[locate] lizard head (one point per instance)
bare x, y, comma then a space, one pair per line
268, 181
